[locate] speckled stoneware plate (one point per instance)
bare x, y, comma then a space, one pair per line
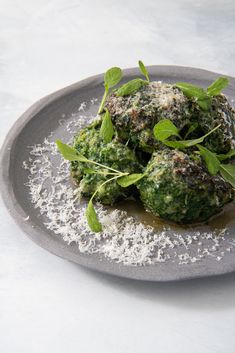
192, 260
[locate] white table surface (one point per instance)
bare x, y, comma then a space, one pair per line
48, 304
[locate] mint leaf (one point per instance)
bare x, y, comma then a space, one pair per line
164, 129
212, 163
92, 218
216, 87
106, 129
112, 77
228, 173
128, 180
144, 70
188, 143
70, 153
130, 87
228, 155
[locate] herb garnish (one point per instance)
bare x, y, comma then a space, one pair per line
135, 84
130, 179
211, 160
144, 70
165, 129
92, 218
131, 87
69, 153
228, 173
217, 86
203, 97
106, 129
191, 128
228, 155
111, 78
123, 179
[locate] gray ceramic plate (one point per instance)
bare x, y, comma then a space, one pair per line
43, 117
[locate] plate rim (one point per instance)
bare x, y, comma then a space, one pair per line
33, 231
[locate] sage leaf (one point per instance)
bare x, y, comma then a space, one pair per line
112, 77
228, 155
92, 218
144, 70
130, 179
217, 86
164, 129
212, 163
228, 173
106, 129
130, 87
70, 153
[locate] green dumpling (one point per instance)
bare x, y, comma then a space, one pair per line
179, 188
135, 115
114, 154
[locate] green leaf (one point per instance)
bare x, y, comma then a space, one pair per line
192, 128
106, 129
70, 153
181, 144
188, 143
90, 171
104, 172
130, 87
92, 218
217, 86
228, 173
205, 103
128, 180
191, 91
228, 155
112, 77
164, 129
203, 97
144, 70
212, 163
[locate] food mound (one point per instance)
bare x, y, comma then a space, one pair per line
179, 187
170, 145
135, 115
113, 154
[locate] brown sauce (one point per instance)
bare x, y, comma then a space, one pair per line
135, 209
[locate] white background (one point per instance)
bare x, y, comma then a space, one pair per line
50, 305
